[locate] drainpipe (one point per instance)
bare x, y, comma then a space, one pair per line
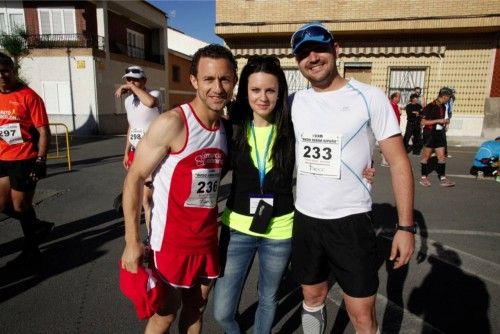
71, 95
96, 100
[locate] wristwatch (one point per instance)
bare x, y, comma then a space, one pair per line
411, 229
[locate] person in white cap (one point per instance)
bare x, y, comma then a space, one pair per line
336, 124
142, 106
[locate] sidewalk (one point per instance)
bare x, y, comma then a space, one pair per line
467, 141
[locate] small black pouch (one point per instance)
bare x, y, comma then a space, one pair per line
262, 217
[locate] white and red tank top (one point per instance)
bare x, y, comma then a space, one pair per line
186, 185
139, 116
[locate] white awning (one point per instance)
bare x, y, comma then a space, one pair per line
350, 49
423, 50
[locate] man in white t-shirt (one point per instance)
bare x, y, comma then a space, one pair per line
142, 106
337, 123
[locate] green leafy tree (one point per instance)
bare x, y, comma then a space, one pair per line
16, 45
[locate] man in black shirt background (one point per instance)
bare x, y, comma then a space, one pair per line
434, 122
413, 127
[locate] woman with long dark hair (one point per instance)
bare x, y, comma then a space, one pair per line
259, 213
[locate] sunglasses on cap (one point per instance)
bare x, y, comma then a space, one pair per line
256, 59
133, 70
312, 33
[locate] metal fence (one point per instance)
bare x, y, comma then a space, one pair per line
54, 41
57, 41
135, 52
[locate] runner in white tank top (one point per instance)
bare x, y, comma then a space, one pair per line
185, 149
142, 106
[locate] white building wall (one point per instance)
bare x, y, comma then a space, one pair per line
67, 85
112, 115
182, 43
80, 94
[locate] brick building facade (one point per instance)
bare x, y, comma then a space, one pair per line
395, 45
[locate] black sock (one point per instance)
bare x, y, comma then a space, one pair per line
29, 225
441, 169
423, 169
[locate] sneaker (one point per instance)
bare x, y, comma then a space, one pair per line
446, 182
425, 181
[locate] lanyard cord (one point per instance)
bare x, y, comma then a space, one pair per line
262, 164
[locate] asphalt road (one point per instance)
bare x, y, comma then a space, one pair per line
453, 287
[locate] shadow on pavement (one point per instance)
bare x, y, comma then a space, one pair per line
77, 243
76, 141
385, 217
86, 162
450, 299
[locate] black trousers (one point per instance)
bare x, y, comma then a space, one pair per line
413, 129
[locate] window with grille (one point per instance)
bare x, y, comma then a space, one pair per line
295, 80
404, 80
3, 25
57, 21
135, 44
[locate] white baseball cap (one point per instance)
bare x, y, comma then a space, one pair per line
135, 72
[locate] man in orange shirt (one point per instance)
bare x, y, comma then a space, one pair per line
24, 140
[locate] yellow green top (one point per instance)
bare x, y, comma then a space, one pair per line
279, 227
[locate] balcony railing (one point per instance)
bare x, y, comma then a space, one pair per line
135, 52
55, 41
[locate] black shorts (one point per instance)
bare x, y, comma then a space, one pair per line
487, 170
434, 138
345, 248
19, 174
